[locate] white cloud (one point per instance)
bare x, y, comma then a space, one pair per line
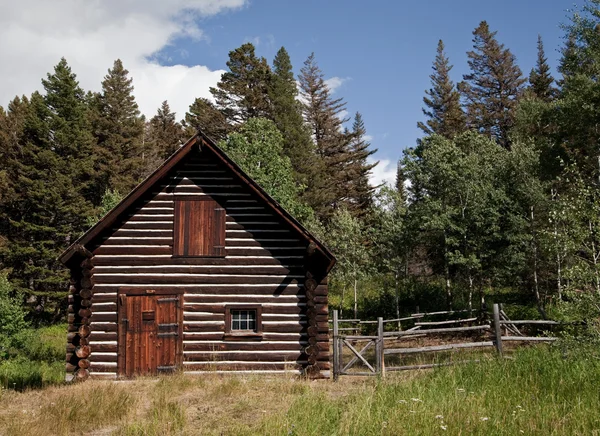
91, 34
368, 138
384, 172
333, 83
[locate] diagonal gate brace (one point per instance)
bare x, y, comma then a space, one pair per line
359, 356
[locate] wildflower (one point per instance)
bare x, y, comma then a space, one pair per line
416, 400
460, 390
519, 407
439, 417
485, 418
412, 411
402, 401
444, 427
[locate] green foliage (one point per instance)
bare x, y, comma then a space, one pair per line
203, 115
243, 91
164, 137
110, 200
444, 115
12, 315
119, 130
532, 394
287, 116
257, 147
22, 374
51, 183
493, 87
346, 237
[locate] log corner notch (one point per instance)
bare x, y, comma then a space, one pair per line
80, 302
317, 351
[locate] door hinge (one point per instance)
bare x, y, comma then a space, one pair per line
167, 334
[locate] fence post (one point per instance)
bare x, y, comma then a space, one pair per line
498, 328
379, 348
336, 350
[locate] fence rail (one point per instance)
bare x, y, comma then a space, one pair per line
359, 351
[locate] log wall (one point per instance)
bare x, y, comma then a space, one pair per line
266, 263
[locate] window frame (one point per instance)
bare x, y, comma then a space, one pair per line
245, 334
177, 222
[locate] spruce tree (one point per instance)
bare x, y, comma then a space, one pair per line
360, 192
324, 116
203, 115
540, 78
50, 180
443, 110
493, 87
119, 129
164, 136
242, 92
287, 115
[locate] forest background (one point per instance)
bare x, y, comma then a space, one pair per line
499, 200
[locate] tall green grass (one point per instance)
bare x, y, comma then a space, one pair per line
539, 392
35, 358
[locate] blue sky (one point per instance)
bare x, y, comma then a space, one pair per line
379, 52
383, 51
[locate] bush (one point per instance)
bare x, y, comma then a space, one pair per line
12, 316
46, 344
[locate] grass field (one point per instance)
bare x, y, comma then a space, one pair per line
541, 391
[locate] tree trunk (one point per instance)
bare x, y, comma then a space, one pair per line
397, 300
470, 292
355, 299
594, 257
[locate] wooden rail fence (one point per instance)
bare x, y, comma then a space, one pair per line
360, 346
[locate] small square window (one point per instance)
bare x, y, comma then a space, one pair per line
243, 321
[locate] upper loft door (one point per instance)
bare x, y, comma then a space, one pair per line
150, 333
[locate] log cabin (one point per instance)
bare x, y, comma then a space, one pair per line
198, 269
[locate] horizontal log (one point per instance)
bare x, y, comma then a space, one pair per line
103, 327
266, 309
529, 338
453, 321
437, 348
241, 366
102, 367
443, 312
192, 261
104, 348
85, 293
113, 241
193, 279
102, 336
275, 356
250, 299
84, 313
537, 321
438, 331
218, 336
208, 269
243, 346
83, 364
103, 317
102, 357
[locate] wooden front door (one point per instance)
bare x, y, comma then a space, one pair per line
150, 333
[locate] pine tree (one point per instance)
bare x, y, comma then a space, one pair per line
51, 180
360, 192
242, 92
324, 116
119, 129
540, 78
493, 87
400, 182
445, 116
164, 136
203, 115
287, 115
